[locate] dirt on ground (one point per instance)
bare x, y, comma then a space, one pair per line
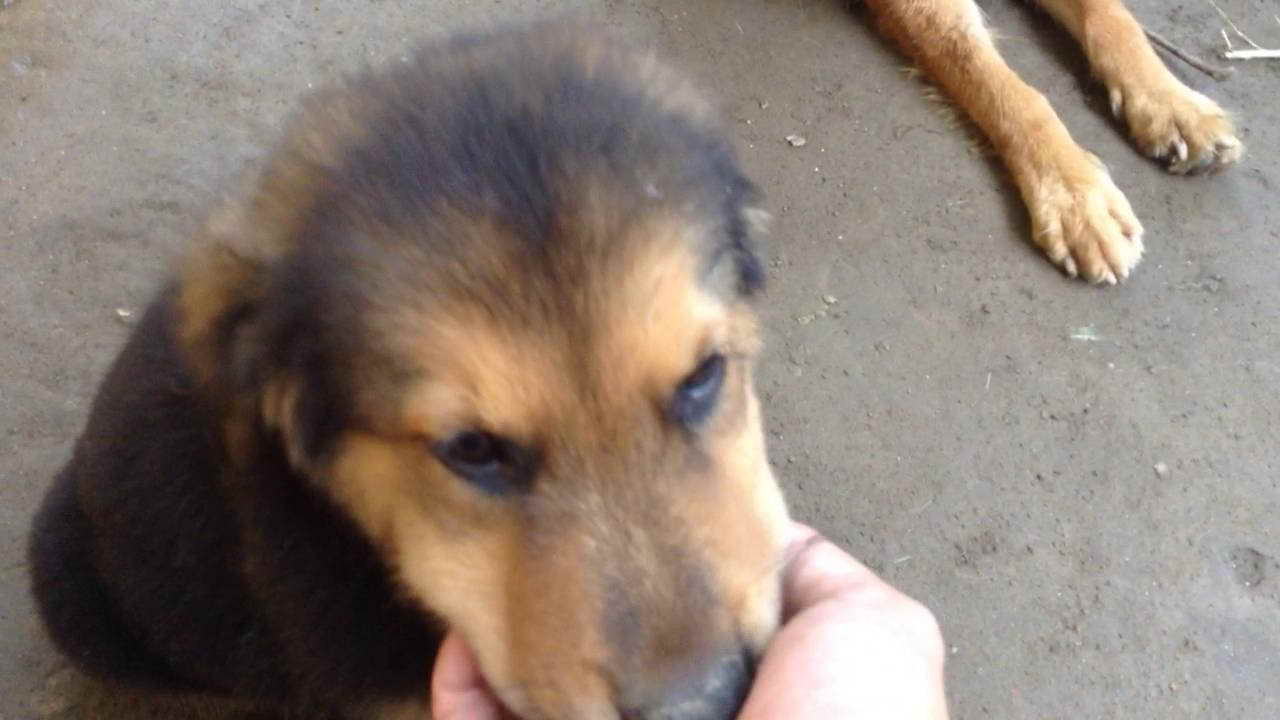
1083, 483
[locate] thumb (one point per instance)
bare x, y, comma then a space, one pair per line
458, 691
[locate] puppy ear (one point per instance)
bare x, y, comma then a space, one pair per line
224, 279
280, 407
255, 363
221, 288
751, 226
240, 336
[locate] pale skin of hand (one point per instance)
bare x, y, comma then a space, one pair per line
851, 646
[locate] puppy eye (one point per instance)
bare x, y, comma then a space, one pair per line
492, 464
472, 449
698, 393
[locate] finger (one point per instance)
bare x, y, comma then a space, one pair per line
819, 570
797, 533
458, 691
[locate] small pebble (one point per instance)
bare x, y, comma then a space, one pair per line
830, 299
1162, 470
797, 140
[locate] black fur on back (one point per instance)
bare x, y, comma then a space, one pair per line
149, 569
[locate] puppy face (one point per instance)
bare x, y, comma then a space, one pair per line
535, 396
577, 481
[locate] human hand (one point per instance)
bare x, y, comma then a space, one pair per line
851, 646
458, 690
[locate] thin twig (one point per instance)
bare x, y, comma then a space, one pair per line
1252, 54
1213, 71
1233, 26
1257, 52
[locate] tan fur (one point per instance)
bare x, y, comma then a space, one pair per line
1079, 218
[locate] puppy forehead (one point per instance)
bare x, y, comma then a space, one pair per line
610, 326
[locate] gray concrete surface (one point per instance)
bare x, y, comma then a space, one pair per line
942, 419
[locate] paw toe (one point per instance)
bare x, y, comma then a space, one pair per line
1187, 131
1090, 232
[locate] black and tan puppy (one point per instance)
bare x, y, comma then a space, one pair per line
475, 351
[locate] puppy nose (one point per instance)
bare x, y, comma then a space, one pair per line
713, 691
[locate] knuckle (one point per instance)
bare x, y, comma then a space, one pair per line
923, 626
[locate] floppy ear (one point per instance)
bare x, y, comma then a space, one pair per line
238, 339
255, 362
749, 228
221, 288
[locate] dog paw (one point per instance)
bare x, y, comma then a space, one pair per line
1083, 222
1177, 125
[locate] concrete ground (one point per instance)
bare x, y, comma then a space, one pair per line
978, 428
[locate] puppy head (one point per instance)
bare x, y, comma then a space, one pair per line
512, 335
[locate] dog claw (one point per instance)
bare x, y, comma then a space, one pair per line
1084, 223
1179, 126
1069, 265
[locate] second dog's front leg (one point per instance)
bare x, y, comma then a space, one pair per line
1168, 120
1079, 218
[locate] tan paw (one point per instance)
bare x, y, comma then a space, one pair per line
1083, 222
1175, 124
